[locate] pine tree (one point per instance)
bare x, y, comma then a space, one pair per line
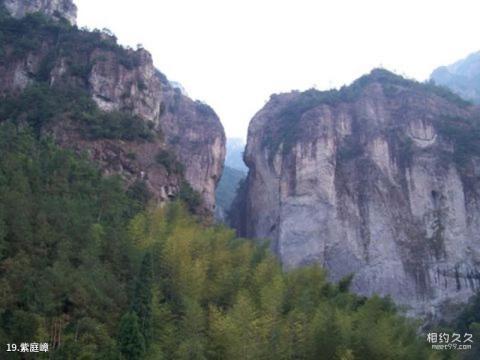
130, 339
142, 301
192, 328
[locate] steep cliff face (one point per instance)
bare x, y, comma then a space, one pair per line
380, 179
187, 142
190, 128
57, 9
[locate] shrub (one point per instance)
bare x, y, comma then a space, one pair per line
72, 44
41, 104
350, 148
287, 128
139, 193
169, 161
464, 133
189, 196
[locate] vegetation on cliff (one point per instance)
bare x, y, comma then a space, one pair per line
18, 37
464, 134
88, 267
287, 128
85, 267
41, 105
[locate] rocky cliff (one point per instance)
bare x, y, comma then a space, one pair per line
380, 179
57, 9
171, 142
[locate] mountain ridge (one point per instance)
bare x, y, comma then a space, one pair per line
461, 77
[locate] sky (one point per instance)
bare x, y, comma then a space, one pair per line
234, 54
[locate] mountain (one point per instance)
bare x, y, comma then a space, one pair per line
234, 157
379, 179
234, 172
92, 140
110, 102
226, 191
462, 77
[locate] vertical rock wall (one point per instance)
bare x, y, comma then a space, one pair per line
363, 181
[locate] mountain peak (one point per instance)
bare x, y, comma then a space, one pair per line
56, 9
462, 77
382, 76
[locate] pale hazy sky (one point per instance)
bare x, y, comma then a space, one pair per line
234, 54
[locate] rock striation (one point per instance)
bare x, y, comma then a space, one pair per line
380, 179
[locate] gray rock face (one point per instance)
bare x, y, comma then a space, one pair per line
56, 9
364, 182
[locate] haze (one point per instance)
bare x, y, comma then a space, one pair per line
234, 54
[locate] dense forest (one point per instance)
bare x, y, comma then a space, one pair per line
88, 266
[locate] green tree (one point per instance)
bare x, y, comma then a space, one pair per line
142, 300
130, 339
192, 332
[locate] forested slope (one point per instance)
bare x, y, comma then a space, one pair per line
86, 267
94, 266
